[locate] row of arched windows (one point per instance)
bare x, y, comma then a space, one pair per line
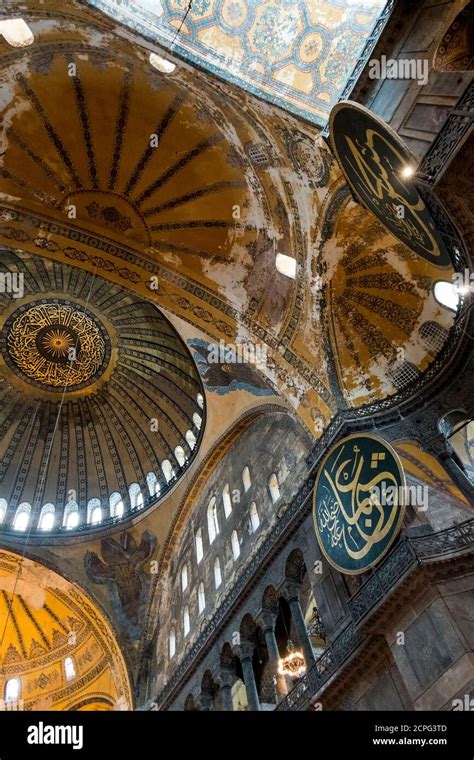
213, 528
96, 512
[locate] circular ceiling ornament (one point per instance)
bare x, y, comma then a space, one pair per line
56, 345
381, 171
359, 502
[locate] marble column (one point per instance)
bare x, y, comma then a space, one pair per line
267, 621
227, 679
246, 650
300, 626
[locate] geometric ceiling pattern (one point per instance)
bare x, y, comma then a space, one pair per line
297, 54
73, 431
56, 644
196, 184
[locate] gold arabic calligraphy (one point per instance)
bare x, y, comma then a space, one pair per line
366, 509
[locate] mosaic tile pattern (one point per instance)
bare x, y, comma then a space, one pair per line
295, 53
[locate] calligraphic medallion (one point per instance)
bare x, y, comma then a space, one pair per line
359, 502
55, 345
374, 161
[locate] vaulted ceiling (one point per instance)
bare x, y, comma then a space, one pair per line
46, 619
183, 189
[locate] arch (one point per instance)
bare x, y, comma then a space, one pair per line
295, 567
184, 577
57, 604
270, 599
186, 621
69, 669
212, 521
247, 627
235, 543
190, 439
201, 598
167, 470
116, 504
226, 500
199, 546
136, 496
200, 400
22, 517
246, 479
12, 690
433, 335
254, 517
197, 419
172, 644
46, 518
189, 704
71, 515
446, 294
94, 511
153, 484
274, 488
180, 456
217, 573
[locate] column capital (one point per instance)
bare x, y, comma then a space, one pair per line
267, 619
226, 678
245, 650
291, 590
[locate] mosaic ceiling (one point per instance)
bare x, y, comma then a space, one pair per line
46, 619
190, 182
295, 53
85, 427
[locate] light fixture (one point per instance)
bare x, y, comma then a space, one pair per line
408, 172
293, 665
162, 64
16, 32
286, 265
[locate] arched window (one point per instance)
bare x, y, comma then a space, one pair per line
433, 335
22, 516
16, 32
200, 400
227, 501
246, 478
46, 520
186, 621
3, 509
12, 690
71, 515
69, 668
152, 483
235, 544
184, 578
446, 294
254, 518
197, 419
274, 488
217, 572
201, 598
116, 504
180, 455
94, 511
212, 522
190, 439
172, 643
167, 470
136, 496
403, 373
199, 547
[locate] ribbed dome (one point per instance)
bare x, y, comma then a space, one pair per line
101, 403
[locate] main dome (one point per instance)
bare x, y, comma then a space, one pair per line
101, 404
